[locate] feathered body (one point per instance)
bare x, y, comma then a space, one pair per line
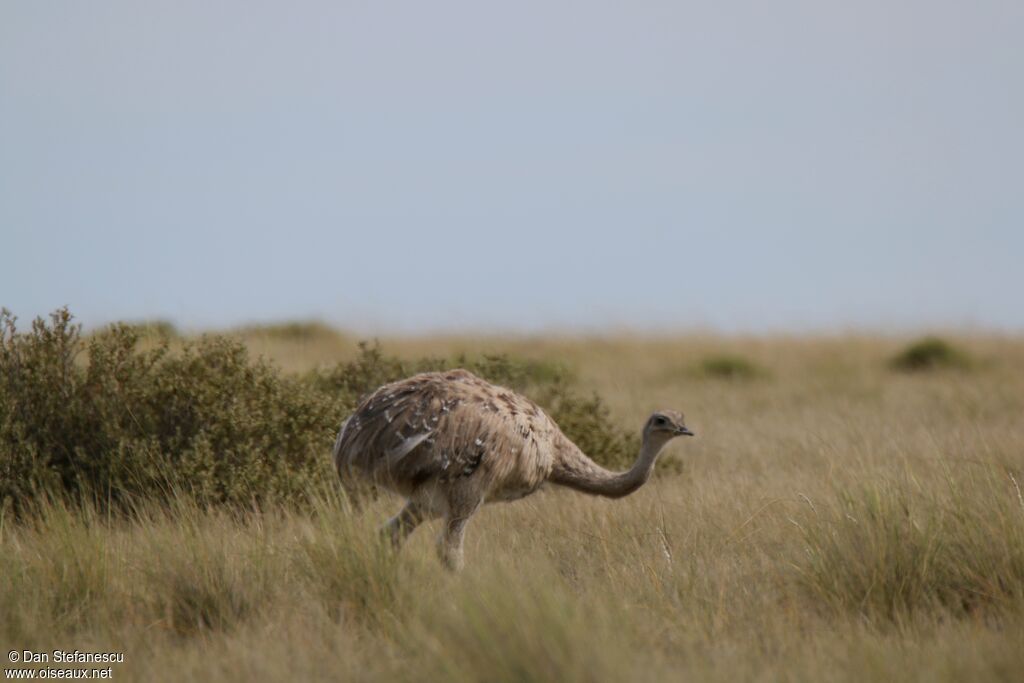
437, 428
450, 441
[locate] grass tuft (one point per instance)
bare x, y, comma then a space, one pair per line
509, 627
892, 548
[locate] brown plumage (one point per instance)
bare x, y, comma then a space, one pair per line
449, 442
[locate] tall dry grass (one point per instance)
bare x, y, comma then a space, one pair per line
834, 520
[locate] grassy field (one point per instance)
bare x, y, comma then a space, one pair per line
836, 519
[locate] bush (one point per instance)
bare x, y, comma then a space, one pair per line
207, 419
728, 367
930, 353
109, 420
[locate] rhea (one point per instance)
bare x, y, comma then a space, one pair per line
448, 442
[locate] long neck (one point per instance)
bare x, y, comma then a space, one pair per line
577, 471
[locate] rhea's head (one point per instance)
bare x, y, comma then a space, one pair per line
664, 425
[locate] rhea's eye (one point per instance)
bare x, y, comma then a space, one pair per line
659, 421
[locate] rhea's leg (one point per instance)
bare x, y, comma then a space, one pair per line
450, 543
461, 506
398, 528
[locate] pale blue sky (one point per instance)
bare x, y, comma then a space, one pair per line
411, 166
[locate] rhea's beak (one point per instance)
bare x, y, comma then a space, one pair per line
684, 431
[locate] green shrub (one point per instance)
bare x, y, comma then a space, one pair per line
207, 419
930, 353
728, 367
352, 380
